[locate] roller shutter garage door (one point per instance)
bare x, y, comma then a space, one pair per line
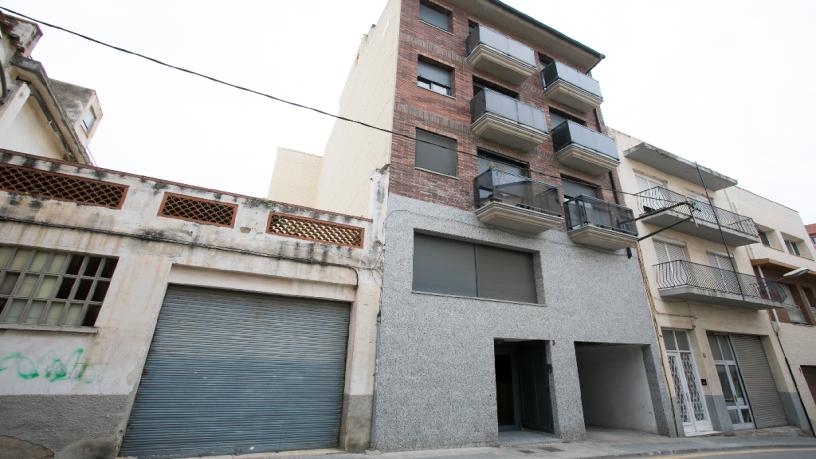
235, 373
759, 383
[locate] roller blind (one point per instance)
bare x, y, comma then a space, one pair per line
429, 156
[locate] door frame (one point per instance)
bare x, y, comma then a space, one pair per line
692, 427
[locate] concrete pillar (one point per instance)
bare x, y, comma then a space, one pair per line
659, 392
568, 412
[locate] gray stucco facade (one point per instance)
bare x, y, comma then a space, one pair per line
435, 380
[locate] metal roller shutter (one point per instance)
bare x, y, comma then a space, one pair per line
235, 373
759, 383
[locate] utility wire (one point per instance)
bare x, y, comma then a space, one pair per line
270, 96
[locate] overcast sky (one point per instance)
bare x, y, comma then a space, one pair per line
728, 84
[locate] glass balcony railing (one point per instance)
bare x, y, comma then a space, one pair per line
570, 132
501, 43
495, 185
588, 211
557, 71
490, 101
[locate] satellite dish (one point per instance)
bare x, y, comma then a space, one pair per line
796, 273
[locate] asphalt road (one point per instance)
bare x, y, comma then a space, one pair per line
781, 453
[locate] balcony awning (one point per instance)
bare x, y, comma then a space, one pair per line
674, 165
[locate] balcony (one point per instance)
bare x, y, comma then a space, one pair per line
685, 281
737, 230
601, 224
499, 55
502, 119
570, 87
516, 203
581, 148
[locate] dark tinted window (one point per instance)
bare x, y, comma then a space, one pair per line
479, 83
439, 157
573, 189
557, 117
462, 268
434, 77
435, 16
763, 236
487, 160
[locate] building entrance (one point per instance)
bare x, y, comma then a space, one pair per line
523, 386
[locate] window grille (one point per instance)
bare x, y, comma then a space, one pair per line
51, 185
198, 210
315, 230
45, 287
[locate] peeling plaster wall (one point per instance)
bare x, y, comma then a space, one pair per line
59, 388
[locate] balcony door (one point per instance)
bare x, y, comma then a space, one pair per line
509, 180
733, 387
651, 197
693, 411
726, 280
673, 257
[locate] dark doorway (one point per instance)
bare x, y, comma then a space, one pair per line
810, 376
522, 386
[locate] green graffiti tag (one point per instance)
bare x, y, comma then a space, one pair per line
50, 368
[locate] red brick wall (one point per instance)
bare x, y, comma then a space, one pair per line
417, 107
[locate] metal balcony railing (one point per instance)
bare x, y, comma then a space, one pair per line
501, 43
681, 273
658, 198
570, 132
557, 71
490, 101
524, 192
587, 211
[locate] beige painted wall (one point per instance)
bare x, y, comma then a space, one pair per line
353, 152
26, 129
799, 341
297, 180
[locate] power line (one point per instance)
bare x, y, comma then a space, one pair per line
266, 95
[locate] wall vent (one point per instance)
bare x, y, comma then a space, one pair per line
198, 210
51, 185
315, 230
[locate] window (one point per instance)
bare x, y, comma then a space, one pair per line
791, 305
44, 287
479, 84
573, 189
763, 236
557, 117
486, 160
435, 16
793, 247
813, 239
441, 158
544, 59
667, 251
466, 269
89, 119
434, 77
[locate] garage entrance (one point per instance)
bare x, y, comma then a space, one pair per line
236, 373
614, 387
522, 386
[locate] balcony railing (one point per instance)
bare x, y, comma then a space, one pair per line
557, 71
494, 185
658, 198
681, 273
501, 43
490, 101
584, 211
571, 133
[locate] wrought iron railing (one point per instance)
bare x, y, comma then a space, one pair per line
500, 42
587, 211
490, 101
558, 71
570, 132
681, 273
658, 198
524, 192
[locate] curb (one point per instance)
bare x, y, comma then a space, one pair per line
701, 450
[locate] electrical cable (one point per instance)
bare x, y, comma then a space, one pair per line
272, 97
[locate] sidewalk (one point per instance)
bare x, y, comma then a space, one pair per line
600, 443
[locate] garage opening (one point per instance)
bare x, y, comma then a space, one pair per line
614, 387
523, 386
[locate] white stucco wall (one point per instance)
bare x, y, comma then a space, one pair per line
24, 127
297, 179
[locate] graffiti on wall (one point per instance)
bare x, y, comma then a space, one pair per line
49, 367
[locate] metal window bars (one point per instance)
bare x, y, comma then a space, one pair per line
500, 186
681, 273
657, 198
588, 211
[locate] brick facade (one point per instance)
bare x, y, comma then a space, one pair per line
416, 107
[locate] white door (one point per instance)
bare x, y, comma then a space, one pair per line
674, 267
704, 210
726, 279
733, 387
651, 193
693, 411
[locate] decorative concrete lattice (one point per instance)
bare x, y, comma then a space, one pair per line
198, 210
51, 185
315, 230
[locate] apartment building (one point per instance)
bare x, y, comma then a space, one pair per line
785, 254
511, 296
40, 115
727, 367
811, 230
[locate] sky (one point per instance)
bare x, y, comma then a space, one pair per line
729, 84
